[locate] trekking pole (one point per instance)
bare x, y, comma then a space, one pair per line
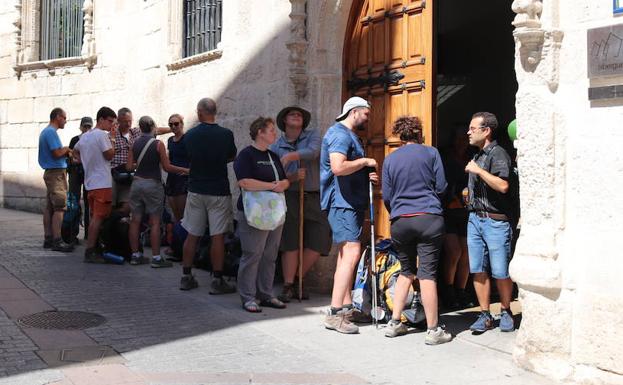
301, 221
373, 259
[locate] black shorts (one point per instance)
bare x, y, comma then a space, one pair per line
418, 236
176, 185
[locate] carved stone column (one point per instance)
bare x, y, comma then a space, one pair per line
297, 45
543, 343
17, 22
88, 41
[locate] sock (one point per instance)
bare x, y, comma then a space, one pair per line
506, 310
217, 274
348, 306
156, 257
486, 312
186, 270
334, 310
136, 254
433, 328
395, 321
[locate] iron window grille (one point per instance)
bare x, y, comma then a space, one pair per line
62, 28
203, 23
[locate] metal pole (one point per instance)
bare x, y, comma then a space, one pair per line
373, 259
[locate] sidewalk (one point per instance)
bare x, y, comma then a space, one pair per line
156, 334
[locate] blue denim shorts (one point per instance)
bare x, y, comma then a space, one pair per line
489, 246
346, 224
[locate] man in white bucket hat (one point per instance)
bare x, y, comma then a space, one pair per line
344, 173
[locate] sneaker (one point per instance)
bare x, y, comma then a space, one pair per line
355, 316
437, 336
188, 282
136, 259
483, 323
219, 286
59, 245
287, 293
395, 328
160, 263
340, 324
507, 324
92, 256
47, 242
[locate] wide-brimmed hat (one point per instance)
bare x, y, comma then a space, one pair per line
354, 102
282, 114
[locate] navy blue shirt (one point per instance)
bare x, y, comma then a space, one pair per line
210, 147
177, 152
252, 163
413, 181
348, 191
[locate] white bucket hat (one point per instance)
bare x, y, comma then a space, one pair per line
354, 102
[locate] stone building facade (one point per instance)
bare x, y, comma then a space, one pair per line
275, 53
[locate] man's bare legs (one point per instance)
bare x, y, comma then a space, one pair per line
347, 260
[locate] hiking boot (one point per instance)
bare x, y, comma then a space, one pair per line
287, 293
160, 263
437, 336
219, 286
395, 328
507, 324
483, 323
340, 324
136, 259
47, 242
188, 282
59, 245
92, 256
356, 316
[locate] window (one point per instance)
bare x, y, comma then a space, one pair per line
61, 28
202, 25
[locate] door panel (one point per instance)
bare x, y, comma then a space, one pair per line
388, 61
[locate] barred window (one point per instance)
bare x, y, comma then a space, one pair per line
202, 25
61, 28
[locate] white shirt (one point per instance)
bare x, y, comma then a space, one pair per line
92, 145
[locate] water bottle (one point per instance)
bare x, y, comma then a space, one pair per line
113, 258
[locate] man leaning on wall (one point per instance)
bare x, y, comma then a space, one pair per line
53, 159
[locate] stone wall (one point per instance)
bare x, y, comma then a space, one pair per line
567, 262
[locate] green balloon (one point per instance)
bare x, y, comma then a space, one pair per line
512, 130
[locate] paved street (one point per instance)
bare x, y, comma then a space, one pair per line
156, 334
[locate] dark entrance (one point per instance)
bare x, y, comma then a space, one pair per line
474, 65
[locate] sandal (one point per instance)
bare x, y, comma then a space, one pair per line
252, 307
274, 303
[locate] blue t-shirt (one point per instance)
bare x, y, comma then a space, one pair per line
413, 181
210, 147
177, 152
48, 142
349, 191
252, 163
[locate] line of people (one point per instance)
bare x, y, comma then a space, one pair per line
334, 173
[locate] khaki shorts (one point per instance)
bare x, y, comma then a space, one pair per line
207, 209
120, 193
316, 229
56, 189
146, 197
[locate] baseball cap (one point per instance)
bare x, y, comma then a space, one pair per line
354, 102
86, 121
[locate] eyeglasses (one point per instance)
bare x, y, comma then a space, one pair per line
472, 129
174, 124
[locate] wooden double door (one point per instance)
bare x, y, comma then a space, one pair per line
388, 60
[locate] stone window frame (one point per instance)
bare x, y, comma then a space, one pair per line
27, 40
175, 42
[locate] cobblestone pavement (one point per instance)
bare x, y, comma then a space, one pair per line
156, 334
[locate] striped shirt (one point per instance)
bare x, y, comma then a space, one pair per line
495, 160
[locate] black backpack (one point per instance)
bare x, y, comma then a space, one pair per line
71, 219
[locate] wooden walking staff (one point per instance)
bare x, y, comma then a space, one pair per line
301, 221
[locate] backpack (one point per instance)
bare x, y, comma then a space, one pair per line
387, 272
114, 235
70, 226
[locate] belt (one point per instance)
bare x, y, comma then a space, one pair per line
494, 216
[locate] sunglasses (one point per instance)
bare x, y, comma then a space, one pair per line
174, 124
